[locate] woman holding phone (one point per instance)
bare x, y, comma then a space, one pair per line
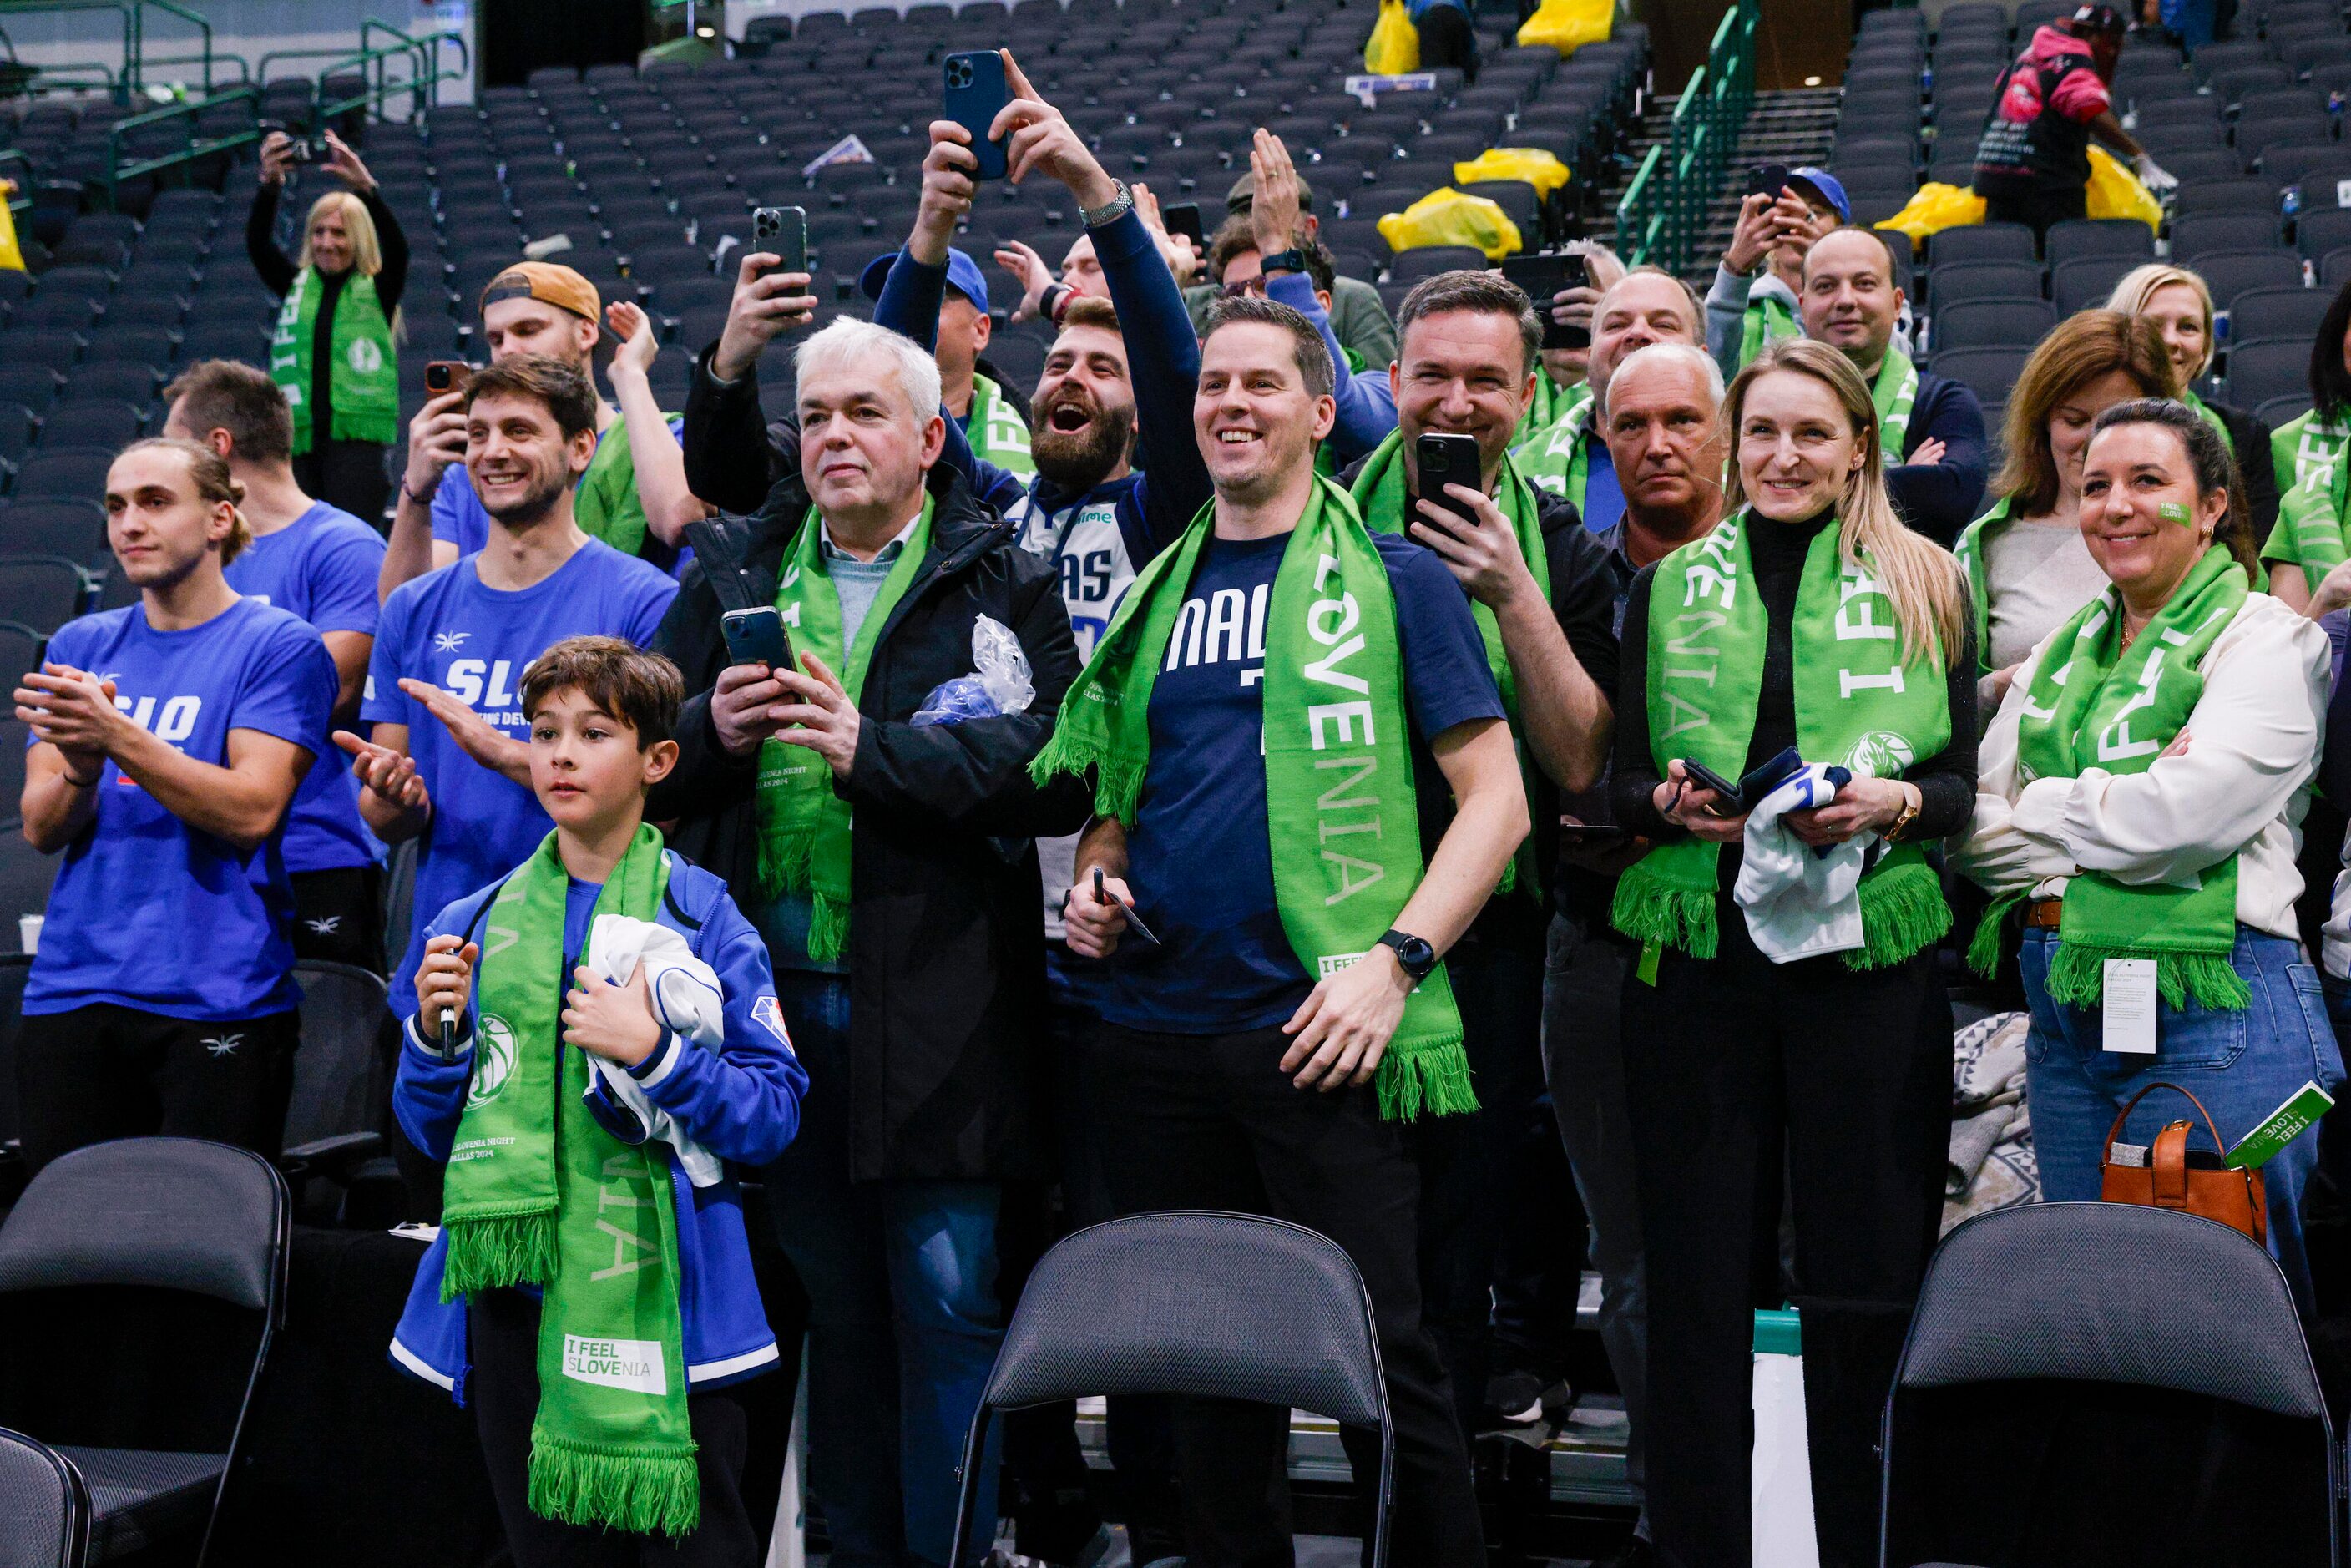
334, 352
2166, 730
1812, 618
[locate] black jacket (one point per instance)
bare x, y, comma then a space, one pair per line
947, 954
1940, 499
2249, 439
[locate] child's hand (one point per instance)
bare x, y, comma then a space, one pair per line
443, 982
615, 1022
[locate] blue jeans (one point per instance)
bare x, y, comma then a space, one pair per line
904, 1322
2241, 1065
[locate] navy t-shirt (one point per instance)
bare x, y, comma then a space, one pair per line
1200, 860
147, 911
322, 567
476, 642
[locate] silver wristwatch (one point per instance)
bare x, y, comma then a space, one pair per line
1123, 203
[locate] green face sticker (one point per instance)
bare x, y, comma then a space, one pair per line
2173, 512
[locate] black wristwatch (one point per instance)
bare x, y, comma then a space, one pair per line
1412, 952
1292, 260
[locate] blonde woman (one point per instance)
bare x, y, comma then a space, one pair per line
1811, 618
334, 352
2180, 305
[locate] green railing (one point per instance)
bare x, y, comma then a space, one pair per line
1663, 210
409, 65
120, 165
136, 62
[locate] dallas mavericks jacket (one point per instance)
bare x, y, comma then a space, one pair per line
742, 1102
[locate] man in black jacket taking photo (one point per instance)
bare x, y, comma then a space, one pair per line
887, 868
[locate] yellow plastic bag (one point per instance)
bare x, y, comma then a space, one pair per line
11, 257
2114, 192
1446, 216
1936, 207
1394, 49
1538, 168
1568, 24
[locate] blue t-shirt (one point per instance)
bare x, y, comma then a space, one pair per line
476, 642
322, 567
1603, 492
457, 515
147, 911
1200, 859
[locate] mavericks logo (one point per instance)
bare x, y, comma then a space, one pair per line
493, 1060
1880, 753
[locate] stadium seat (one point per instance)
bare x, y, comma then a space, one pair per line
43, 592
1408, 267
18, 427
2224, 196
47, 1511
2261, 372
2073, 240
20, 652
2088, 282
1987, 372
2278, 411
2295, 312
2222, 231
1981, 241
1952, 282
2229, 273
92, 423
74, 529
1993, 323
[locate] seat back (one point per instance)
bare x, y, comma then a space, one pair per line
44, 1507
338, 1087
173, 1214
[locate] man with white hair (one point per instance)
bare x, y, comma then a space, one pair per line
1648, 305
888, 867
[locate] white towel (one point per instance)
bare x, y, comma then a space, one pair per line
1799, 902
686, 1000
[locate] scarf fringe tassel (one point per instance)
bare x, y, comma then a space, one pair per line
828, 929
498, 1250
2077, 976
1902, 911
639, 1492
1428, 1075
1118, 782
784, 860
1678, 917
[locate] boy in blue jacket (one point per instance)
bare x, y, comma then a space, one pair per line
585, 1296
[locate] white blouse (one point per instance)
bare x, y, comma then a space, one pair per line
2239, 787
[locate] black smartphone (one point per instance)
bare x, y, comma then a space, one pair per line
1543, 275
1706, 778
1767, 180
976, 94
756, 636
446, 376
1133, 921
784, 232
1594, 834
1446, 460
1184, 218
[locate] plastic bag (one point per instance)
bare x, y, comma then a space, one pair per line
1538, 168
1000, 685
1568, 24
1394, 47
1446, 216
2115, 192
11, 257
1935, 208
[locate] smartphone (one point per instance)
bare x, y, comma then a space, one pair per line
756, 636
976, 94
1706, 778
1446, 460
1133, 921
1767, 180
784, 232
1184, 218
1593, 834
1543, 275
446, 376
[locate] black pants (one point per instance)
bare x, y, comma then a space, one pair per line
347, 474
1466, 1161
104, 1071
2037, 208
339, 916
504, 1392
1735, 1068
1211, 1122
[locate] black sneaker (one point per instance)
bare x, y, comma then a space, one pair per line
1515, 1398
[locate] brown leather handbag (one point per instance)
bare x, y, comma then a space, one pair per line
2176, 1176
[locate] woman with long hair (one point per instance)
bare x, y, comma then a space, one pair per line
2311, 460
2027, 567
2141, 799
2180, 305
334, 352
1786, 1002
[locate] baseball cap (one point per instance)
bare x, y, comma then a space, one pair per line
1824, 186
548, 284
961, 272
2090, 19
1244, 193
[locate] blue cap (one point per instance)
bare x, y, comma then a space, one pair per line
961, 272
1821, 184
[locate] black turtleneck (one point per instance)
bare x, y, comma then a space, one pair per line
1947, 780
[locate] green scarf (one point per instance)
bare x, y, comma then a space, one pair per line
1857, 702
1560, 459
364, 377
606, 502
995, 430
1971, 552
1338, 772
1895, 390
804, 826
1379, 497
1551, 403
2310, 458
538, 1193
2204, 412
2095, 704
1766, 321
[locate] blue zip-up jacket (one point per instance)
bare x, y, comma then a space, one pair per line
741, 1101
1162, 364
1366, 403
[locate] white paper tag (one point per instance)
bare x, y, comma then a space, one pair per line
2130, 1006
2343, 192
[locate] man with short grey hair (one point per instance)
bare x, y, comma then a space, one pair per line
889, 869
